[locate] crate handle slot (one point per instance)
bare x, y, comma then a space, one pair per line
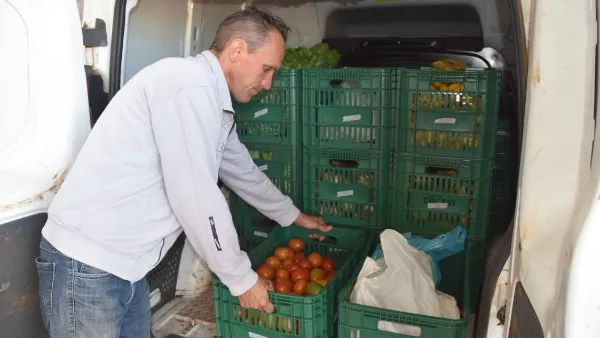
264, 222
327, 240
345, 84
440, 171
343, 163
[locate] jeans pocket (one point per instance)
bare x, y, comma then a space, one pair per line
46, 271
89, 272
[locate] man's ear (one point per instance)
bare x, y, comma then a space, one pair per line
237, 48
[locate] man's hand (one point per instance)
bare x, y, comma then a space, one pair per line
313, 223
257, 297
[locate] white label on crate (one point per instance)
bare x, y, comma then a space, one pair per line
261, 234
263, 167
345, 193
446, 120
254, 335
155, 297
350, 118
437, 205
261, 112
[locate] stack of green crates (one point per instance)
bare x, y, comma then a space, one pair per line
270, 127
368, 149
441, 177
347, 136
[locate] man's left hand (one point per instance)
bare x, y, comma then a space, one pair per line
313, 223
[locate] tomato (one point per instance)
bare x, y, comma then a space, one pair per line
266, 272
283, 285
301, 273
296, 245
322, 282
299, 257
282, 273
300, 286
283, 253
327, 264
317, 274
286, 262
306, 264
315, 259
273, 262
330, 275
313, 289
292, 267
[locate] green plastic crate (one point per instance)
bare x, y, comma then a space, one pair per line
432, 194
347, 108
283, 165
295, 316
346, 187
248, 244
447, 123
461, 278
252, 230
272, 116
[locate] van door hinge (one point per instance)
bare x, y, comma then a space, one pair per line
95, 37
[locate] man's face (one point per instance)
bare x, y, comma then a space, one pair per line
253, 72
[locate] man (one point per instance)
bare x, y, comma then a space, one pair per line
148, 171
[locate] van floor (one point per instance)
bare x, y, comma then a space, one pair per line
186, 317
195, 318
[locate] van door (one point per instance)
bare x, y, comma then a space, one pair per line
44, 120
551, 279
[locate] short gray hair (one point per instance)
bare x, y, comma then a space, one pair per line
250, 24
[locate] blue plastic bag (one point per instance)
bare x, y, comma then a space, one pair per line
438, 248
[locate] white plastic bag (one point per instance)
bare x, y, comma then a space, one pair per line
400, 281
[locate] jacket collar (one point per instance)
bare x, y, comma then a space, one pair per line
224, 94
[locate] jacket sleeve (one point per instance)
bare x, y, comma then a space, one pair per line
186, 131
239, 172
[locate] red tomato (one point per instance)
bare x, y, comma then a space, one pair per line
266, 272
301, 273
299, 257
315, 259
296, 244
306, 264
300, 286
327, 265
283, 285
292, 267
282, 273
273, 262
330, 275
287, 262
283, 253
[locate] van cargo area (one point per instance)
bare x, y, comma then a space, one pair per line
401, 122
380, 125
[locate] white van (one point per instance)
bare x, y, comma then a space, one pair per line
62, 60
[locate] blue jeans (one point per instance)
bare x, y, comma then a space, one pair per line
78, 300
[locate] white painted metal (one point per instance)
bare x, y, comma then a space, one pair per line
43, 102
555, 164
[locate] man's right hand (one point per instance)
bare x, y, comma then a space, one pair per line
257, 297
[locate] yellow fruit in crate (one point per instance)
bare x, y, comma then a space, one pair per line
456, 87
448, 65
444, 87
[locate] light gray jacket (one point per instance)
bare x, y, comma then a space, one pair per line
149, 170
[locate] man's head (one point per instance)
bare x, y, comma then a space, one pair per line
250, 45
